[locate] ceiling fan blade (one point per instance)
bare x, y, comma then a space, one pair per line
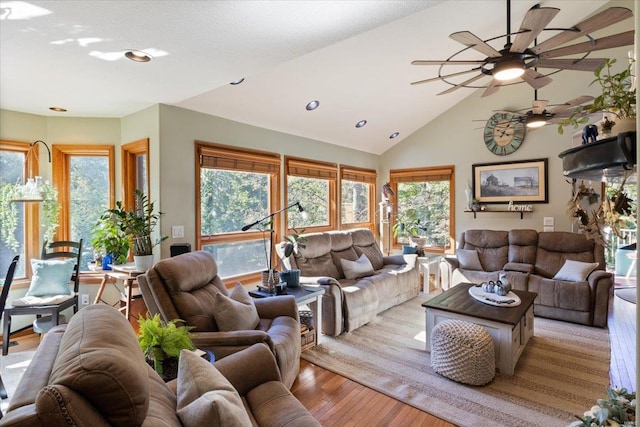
533, 23
616, 40
601, 20
559, 109
535, 79
445, 76
539, 106
445, 62
492, 88
469, 39
586, 64
464, 83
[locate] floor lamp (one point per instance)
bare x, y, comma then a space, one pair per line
270, 218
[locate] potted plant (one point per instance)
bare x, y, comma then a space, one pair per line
410, 225
618, 97
293, 242
110, 243
139, 224
161, 343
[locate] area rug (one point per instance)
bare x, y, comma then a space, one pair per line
12, 366
627, 294
562, 372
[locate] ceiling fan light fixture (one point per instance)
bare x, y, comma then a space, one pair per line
508, 70
536, 121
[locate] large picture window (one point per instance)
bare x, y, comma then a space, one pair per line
313, 184
84, 176
236, 188
424, 203
357, 197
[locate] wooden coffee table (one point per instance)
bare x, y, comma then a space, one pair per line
510, 327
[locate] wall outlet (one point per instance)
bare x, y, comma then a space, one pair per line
177, 231
84, 299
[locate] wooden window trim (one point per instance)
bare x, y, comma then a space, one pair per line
296, 166
434, 173
61, 154
32, 218
129, 153
367, 176
218, 156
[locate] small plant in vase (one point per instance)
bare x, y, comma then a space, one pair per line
162, 342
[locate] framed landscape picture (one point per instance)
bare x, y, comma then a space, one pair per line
521, 181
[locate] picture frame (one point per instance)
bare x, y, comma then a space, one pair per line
518, 181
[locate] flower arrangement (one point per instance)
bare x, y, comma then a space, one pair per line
617, 409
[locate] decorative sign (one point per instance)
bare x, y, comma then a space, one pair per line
519, 208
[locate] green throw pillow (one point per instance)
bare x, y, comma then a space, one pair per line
51, 277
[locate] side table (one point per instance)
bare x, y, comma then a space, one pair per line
430, 263
125, 273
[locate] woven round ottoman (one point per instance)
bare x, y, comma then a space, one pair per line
463, 352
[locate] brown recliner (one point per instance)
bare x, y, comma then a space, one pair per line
185, 288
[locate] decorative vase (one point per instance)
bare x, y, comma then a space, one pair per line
143, 262
106, 260
275, 279
624, 125
476, 207
291, 277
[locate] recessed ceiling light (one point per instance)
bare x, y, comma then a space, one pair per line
137, 56
361, 123
237, 82
58, 109
394, 135
313, 105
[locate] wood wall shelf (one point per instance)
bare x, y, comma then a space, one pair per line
521, 213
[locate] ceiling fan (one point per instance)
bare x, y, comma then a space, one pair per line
539, 115
518, 60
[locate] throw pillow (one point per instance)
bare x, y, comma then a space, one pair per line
469, 259
51, 277
205, 397
359, 268
575, 271
235, 312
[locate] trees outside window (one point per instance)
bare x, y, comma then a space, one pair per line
357, 197
428, 195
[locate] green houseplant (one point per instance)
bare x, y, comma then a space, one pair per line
617, 97
162, 342
108, 239
139, 224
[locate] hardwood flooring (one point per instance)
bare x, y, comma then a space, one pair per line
335, 400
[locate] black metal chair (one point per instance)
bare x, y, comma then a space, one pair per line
48, 316
6, 286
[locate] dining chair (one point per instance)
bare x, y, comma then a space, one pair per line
6, 286
48, 314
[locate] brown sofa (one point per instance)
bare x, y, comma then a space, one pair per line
350, 303
91, 372
530, 260
186, 286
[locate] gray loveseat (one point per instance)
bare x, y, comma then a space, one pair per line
535, 261
350, 303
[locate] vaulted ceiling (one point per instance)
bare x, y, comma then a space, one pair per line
354, 57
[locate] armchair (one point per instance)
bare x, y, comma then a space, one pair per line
185, 287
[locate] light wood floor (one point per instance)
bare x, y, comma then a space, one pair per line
335, 400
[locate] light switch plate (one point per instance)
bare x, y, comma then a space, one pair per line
548, 220
177, 231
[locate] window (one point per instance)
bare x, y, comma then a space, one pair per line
135, 170
84, 176
236, 188
15, 165
313, 184
427, 195
357, 193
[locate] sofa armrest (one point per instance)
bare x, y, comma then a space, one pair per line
600, 283
223, 344
409, 259
453, 261
249, 368
270, 308
518, 266
332, 320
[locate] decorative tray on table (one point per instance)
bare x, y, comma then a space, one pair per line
509, 300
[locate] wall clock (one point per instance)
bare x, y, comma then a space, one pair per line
504, 133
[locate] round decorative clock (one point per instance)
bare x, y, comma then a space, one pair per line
504, 133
